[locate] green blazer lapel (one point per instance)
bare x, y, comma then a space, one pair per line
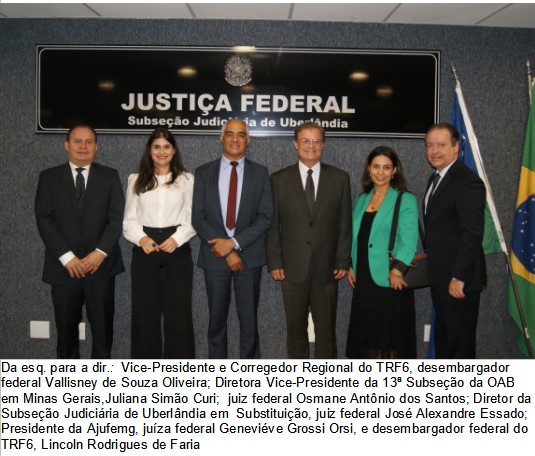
384, 214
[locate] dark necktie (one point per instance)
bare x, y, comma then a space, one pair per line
80, 187
436, 180
309, 190
232, 194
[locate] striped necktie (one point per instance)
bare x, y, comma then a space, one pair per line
80, 187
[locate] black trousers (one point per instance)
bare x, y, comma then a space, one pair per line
455, 325
321, 299
247, 294
161, 288
99, 299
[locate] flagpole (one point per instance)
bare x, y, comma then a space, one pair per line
479, 164
492, 208
531, 80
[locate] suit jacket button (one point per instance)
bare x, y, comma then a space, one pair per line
308, 242
310, 224
370, 246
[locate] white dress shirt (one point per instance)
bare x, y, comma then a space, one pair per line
161, 207
85, 173
303, 170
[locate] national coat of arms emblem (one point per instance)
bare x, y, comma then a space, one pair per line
238, 71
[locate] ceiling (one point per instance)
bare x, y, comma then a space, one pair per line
469, 14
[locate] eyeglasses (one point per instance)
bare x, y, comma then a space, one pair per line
307, 141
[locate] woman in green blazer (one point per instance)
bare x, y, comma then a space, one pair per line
382, 322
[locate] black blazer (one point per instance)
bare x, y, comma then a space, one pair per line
454, 224
63, 227
253, 218
299, 240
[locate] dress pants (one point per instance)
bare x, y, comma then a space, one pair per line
68, 300
246, 293
321, 299
455, 325
162, 287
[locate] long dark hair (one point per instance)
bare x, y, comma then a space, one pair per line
146, 180
398, 180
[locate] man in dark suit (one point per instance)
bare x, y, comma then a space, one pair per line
454, 206
232, 210
309, 242
79, 210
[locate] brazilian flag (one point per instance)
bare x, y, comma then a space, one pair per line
523, 245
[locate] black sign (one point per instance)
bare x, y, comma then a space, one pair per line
133, 89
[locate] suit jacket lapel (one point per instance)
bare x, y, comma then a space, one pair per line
213, 184
443, 184
92, 184
429, 183
297, 185
248, 182
67, 184
92, 180
323, 187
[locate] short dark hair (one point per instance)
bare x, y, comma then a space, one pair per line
398, 180
80, 125
309, 126
454, 133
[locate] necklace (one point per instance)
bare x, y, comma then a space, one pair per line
378, 201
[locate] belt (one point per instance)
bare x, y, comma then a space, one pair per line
160, 234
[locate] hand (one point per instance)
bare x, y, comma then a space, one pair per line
350, 276
93, 261
456, 289
278, 274
222, 247
75, 268
148, 245
169, 245
396, 280
339, 274
234, 262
